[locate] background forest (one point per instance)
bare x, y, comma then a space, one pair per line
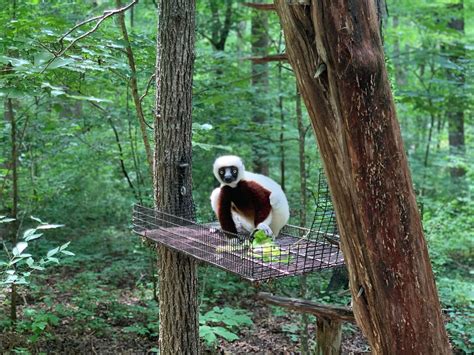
76, 127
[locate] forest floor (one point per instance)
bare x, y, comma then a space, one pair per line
269, 334
101, 302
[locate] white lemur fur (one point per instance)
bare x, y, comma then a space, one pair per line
252, 186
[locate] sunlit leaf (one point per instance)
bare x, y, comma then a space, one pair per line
52, 252
88, 98
18, 249
49, 226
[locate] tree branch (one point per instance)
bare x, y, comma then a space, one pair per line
134, 90
269, 58
99, 19
263, 7
148, 85
317, 309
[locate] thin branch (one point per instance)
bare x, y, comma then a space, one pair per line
99, 19
134, 91
269, 58
263, 7
20, 141
61, 39
214, 44
121, 157
148, 85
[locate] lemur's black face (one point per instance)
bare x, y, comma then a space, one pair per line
228, 174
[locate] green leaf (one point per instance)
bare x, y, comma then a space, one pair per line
64, 246
54, 260
42, 58
37, 267
88, 98
17, 250
60, 62
29, 232
34, 236
67, 252
10, 279
15, 62
206, 333
14, 261
36, 219
30, 262
52, 252
226, 334
49, 226
13, 93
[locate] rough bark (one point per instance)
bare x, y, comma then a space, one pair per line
328, 337
335, 49
172, 172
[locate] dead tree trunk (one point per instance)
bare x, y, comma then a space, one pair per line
179, 329
335, 49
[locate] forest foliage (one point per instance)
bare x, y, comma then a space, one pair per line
70, 123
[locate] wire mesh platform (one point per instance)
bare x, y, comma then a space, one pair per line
295, 251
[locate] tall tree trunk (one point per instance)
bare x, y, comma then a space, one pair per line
260, 83
455, 112
400, 71
172, 171
14, 209
335, 49
220, 30
282, 128
304, 335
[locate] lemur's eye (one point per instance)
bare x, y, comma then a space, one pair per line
234, 171
221, 172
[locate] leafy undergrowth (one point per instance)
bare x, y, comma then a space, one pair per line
101, 301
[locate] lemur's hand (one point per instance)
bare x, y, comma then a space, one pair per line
264, 228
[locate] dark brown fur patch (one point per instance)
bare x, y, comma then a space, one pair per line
248, 198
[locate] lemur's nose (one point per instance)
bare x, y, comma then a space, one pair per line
228, 178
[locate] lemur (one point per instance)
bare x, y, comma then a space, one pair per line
247, 200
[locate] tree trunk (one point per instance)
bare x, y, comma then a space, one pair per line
400, 70
282, 128
260, 83
335, 49
329, 336
179, 329
303, 205
455, 112
220, 31
14, 209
